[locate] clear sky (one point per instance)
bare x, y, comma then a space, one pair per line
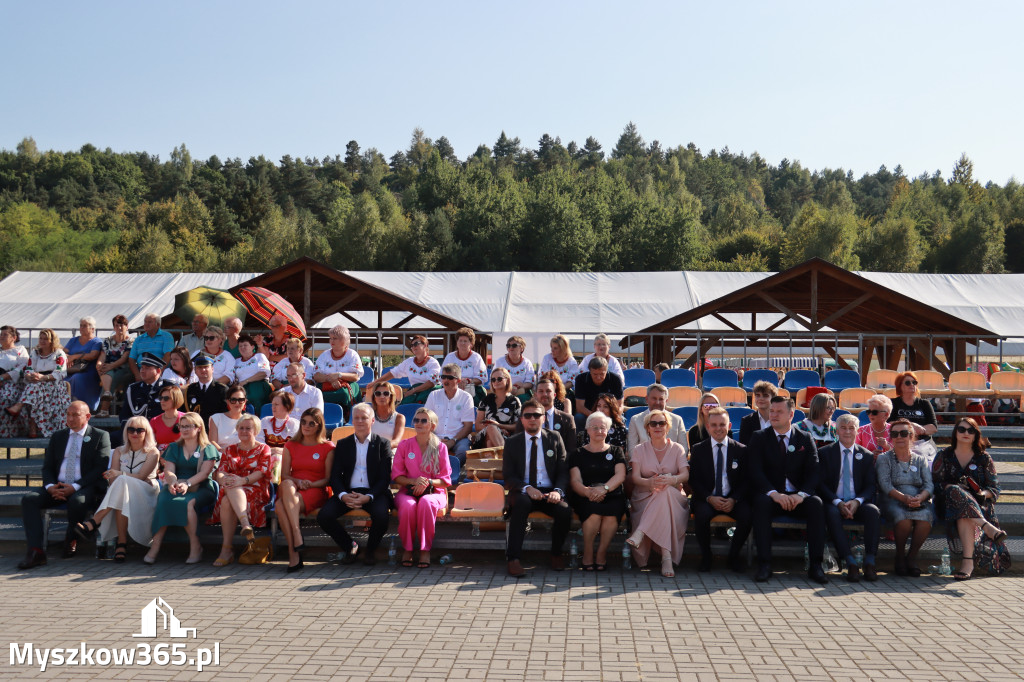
836, 85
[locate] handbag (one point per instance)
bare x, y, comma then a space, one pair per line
259, 551
76, 367
991, 557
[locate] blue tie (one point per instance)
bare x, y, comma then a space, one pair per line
847, 475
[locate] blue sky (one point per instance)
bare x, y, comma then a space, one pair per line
850, 85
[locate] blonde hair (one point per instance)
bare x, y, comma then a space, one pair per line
149, 444
257, 425
504, 373
700, 408
197, 421
432, 454
562, 342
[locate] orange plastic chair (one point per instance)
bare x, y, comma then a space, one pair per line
1007, 383
931, 383
478, 501
881, 378
634, 392
969, 383
731, 396
855, 400
342, 432
683, 396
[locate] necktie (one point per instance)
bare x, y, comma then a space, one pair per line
74, 455
719, 471
847, 476
533, 461
551, 420
782, 445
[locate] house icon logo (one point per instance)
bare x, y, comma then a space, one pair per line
158, 611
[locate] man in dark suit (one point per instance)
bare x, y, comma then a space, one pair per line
758, 419
73, 467
556, 421
536, 474
206, 396
142, 399
359, 478
847, 490
719, 479
784, 468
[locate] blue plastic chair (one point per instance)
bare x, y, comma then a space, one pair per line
838, 379
368, 376
408, 411
735, 415
838, 413
752, 376
249, 408
334, 416
713, 378
798, 416
403, 382
266, 410
632, 412
678, 376
688, 414
638, 376
864, 417
796, 379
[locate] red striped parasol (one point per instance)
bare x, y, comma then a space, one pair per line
263, 304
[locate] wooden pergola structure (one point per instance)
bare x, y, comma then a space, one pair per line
318, 291
830, 304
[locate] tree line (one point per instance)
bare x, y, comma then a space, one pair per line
556, 207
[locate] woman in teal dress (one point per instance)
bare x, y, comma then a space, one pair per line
188, 486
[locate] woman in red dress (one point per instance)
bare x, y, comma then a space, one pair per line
305, 471
244, 478
165, 424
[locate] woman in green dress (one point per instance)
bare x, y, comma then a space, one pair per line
188, 485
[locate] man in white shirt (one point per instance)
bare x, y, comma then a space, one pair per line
657, 396
280, 372
455, 416
306, 395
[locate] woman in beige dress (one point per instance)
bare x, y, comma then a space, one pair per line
660, 511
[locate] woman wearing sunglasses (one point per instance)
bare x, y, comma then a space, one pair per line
699, 432
127, 509
188, 486
165, 424
305, 471
244, 476
388, 422
965, 477
660, 511
222, 425
213, 348
905, 483
519, 367
875, 434
909, 405
422, 471
498, 414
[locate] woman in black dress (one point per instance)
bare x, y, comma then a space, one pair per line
596, 473
618, 432
908, 404
967, 507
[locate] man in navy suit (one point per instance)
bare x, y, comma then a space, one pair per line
784, 468
360, 477
847, 490
719, 479
73, 467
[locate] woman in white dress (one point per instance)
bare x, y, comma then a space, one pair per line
127, 509
222, 424
13, 358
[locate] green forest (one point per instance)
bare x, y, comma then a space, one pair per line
555, 207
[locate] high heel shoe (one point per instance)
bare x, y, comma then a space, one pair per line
666, 566
999, 535
960, 575
195, 558
86, 528
120, 552
635, 539
296, 567
248, 533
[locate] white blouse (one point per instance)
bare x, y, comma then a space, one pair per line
254, 365
223, 365
614, 366
56, 363
522, 373
429, 372
15, 357
566, 372
472, 367
349, 363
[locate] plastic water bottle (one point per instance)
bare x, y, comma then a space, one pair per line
830, 565
333, 556
858, 556
392, 553
573, 552
627, 557
807, 559
446, 559
944, 566
730, 531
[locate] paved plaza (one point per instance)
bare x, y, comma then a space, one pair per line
468, 621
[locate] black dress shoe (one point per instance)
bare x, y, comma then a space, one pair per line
817, 575
350, 557
737, 564
34, 557
369, 557
764, 573
852, 573
870, 573
70, 548
705, 564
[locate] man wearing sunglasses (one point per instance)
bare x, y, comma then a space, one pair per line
536, 474
555, 420
455, 417
784, 469
847, 490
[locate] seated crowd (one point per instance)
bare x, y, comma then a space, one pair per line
188, 448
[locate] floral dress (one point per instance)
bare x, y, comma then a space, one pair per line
957, 502
49, 399
241, 462
12, 361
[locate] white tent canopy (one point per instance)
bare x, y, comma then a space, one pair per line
500, 302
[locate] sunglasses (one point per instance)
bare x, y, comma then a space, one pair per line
448, 377
910, 382
899, 434
236, 400
135, 430
511, 345
966, 429
165, 398
708, 406
420, 420
309, 423
415, 343
877, 412
211, 337
378, 394
495, 380
658, 423
533, 415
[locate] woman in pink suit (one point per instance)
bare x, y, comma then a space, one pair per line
660, 511
421, 469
